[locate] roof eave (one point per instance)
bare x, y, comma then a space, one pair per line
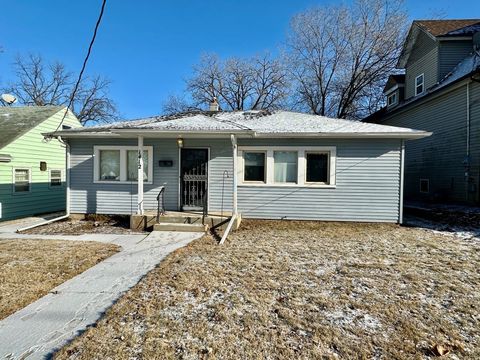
349, 135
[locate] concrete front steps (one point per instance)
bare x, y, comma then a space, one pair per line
166, 226
179, 221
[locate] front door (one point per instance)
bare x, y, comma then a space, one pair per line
193, 179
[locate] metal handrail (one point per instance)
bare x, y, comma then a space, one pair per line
160, 209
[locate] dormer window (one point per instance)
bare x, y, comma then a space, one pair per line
392, 99
419, 84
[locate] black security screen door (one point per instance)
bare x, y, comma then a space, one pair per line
194, 179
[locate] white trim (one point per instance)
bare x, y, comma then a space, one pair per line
422, 75
402, 182
140, 166
29, 169
62, 179
123, 163
301, 165
185, 134
395, 102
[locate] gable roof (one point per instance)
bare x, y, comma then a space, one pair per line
16, 121
448, 27
436, 29
259, 123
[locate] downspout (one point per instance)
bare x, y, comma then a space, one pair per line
467, 159
234, 197
67, 194
402, 182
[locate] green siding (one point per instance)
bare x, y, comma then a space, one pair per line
27, 152
440, 157
451, 53
423, 60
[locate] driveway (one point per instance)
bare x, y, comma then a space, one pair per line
37, 330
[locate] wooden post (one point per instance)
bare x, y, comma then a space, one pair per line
140, 176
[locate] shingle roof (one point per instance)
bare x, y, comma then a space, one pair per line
16, 121
448, 27
261, 123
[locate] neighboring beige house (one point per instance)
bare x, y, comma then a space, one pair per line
439, 92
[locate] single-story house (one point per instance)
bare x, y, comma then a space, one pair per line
32, 170
261, 164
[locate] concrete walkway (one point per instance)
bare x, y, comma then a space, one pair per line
37, 330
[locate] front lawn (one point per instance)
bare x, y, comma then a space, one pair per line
300, 290
29, 269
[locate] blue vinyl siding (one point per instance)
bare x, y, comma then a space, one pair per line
368, 178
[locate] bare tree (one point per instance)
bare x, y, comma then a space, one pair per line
177, 104
40, 84
238, 84
339, 57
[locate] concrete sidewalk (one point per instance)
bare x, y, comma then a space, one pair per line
37, 330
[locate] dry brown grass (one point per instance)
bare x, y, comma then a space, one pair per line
300, 290
29, 269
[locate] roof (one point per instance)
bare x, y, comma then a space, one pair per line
454, 27
259, 123
16, 121
467, 67
394, 79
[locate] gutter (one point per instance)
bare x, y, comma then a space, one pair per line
67, 180
349, 135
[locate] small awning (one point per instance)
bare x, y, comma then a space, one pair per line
5, 158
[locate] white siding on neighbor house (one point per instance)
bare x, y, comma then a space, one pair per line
367, 182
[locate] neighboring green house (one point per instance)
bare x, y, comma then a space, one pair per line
439, 93
32, 170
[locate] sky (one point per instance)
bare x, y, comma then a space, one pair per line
147, 48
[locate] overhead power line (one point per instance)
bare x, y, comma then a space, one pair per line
77, 84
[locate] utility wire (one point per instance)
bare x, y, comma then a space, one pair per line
77, 84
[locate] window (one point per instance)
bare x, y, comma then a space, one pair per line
132, 165
21, 180
317, 167
254, 166
392, 99
285, 166
419, 84
119, 164
294, 166
110, 165
424, 186
55, 178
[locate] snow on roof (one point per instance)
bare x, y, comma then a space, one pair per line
260, 122
467, 66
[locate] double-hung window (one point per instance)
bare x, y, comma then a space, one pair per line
55, 178
119, 164
419, 84
285, 167
312, 166
21, 180
317, 167
254, 168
